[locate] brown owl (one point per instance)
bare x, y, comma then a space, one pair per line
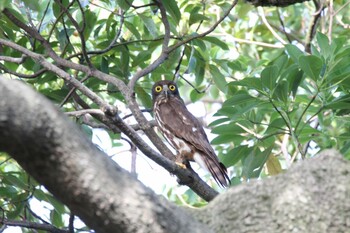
184, 132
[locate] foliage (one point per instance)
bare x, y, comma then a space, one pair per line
278, 104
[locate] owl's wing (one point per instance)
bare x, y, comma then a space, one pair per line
184, 125
181, 123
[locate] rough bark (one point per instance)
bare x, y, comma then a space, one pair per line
56, 153
313, 196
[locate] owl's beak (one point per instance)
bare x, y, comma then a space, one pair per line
166, 91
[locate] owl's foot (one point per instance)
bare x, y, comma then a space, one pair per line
181, 165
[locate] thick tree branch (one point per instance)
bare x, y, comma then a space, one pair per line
311, 197
54, 151
278, 3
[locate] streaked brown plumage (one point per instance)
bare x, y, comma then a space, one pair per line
184, 132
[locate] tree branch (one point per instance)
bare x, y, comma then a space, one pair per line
304, 199
33, 225
56, 153
278, 3
198, 186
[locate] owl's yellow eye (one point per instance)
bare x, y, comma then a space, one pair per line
172, 87
158, 89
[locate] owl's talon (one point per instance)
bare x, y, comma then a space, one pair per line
181, 165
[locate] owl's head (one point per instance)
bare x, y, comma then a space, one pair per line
164, 88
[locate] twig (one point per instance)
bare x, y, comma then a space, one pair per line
330, 22
283, 27
33, 225
71, 92
313, 23
177, 69
198, 91
133, 150
20, 75
71, 223
80, 30
35, 215
114, 40
258, 43
42, 18
18, 60
164, 54
49, 66
284, 146
210, 30
85, 111
142, 110
341, 8
262, 15
304, 111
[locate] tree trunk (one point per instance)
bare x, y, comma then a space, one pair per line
313, 196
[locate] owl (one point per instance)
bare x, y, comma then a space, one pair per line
184, 132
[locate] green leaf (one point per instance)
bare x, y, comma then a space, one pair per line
33, 5
273, 165
150, 25
323, 42
124, 61
47, 197
56, 218
13, 180
132, 29
19, 204
311, 65
234, 155
199, 42
8, 191
141, 58
218, 77
4, 4
269, 77
294, 77
172, 8
239, 99
196, 17
294, 52
144, 97
216, 41
251, 83
90, 21
87, 130
219, 121
254, 162
276, 125
191, 65
125, 4
104, 65
227, 138
342, 102
231, 129
281, 91
194, 96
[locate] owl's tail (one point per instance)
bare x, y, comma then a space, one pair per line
216, 169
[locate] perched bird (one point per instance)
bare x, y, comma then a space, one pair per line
184, 132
